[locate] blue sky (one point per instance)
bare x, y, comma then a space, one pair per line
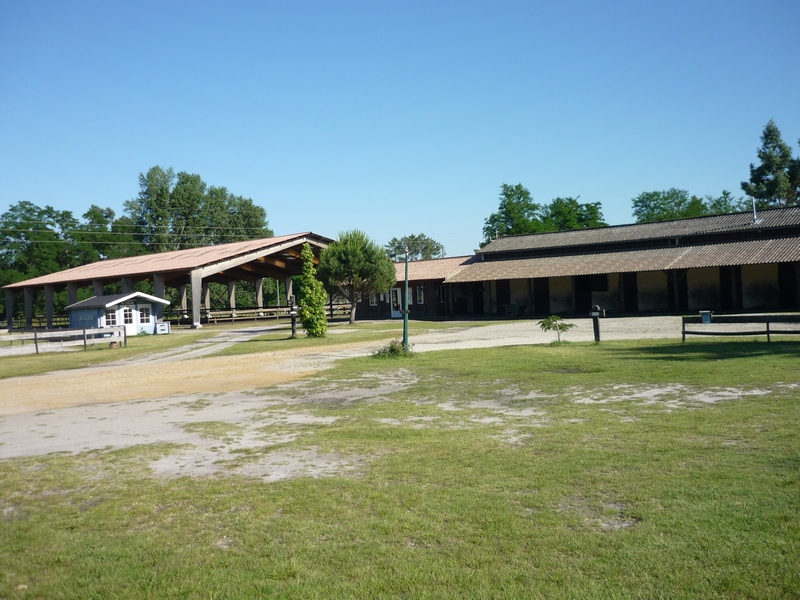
391, 117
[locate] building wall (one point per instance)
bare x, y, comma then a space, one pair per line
704, 288
612, 299
561, 297
519, 291
652, 291
760, 287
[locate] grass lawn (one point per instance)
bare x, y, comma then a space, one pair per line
619, 470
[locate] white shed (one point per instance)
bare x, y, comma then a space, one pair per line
134, 311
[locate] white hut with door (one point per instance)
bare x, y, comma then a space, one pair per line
133, 310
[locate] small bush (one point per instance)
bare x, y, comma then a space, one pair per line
557, 324
394, 349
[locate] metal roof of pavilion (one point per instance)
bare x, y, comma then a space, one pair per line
660, 259
177, 261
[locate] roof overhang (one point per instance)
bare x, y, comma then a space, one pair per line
662, 259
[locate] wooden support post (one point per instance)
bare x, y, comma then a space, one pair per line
260, 296
84, 340
36, 341
159, 290
72, 292
232, 298
28, 295
197, 291
49, 297
10, 309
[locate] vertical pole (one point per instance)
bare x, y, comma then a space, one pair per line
405, 309
84, 340
49, 297
36, 341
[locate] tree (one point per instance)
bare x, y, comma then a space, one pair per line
517, 214
311, 297
354, 266
557, 324
420, 247
176, 212
150, 210
564, 214
186, 204
725, 203
776, 181
678, 204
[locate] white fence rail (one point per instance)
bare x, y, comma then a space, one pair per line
52, 339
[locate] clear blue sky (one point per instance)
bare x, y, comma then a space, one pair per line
392, 117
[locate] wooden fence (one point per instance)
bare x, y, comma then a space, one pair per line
51, 338
767, 323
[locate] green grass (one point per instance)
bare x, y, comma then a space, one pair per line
527, 472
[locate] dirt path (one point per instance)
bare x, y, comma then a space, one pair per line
190, 371
170, 397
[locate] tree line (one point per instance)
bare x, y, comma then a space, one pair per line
170, 212
773, 183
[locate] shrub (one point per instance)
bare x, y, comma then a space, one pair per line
311, 304
394, 349
557, 324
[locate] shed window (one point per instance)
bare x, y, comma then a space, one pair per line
144, 314
373, 299
420, 295
111, 318
127, 315
442, 294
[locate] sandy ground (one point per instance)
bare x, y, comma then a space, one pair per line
158, 398
190, 371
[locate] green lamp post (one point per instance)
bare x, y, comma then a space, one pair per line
405, 308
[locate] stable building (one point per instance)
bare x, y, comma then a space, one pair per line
428, 296
734, 262
724, 263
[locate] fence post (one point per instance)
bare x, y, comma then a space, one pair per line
84, 340
768, 336
36, 341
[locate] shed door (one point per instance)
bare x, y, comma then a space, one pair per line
397, 303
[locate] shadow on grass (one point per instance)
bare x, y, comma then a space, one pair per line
708, 350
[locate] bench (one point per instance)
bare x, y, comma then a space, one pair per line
768, 321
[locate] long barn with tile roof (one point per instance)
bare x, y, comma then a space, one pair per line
734, 262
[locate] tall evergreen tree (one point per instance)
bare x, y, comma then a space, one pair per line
311, 297
776, 180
